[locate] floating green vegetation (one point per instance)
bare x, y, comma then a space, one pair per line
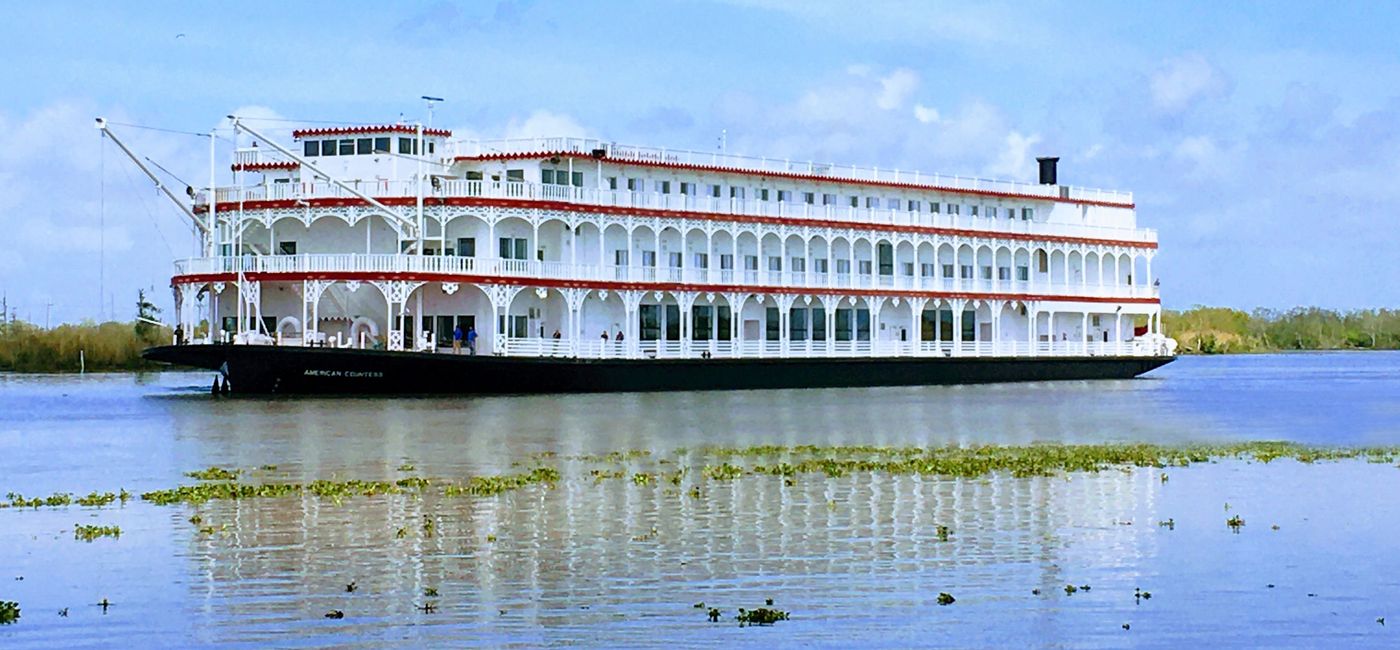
1235, 523
335, 614
430, 592
97, 500
87, 533
9, 612
641, 478
942, 532
722, 472
1070, 590
429, 527
55, 500
760, 616
268, 468
945, 598
406, 467
413, 482
213, 473
1169, 524
493, 485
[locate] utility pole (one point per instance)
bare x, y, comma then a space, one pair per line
47, 307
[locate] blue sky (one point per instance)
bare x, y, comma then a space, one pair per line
1260, 140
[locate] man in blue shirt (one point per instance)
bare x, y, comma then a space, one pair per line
471, 341
457, 340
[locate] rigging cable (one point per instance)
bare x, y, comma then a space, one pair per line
149, 213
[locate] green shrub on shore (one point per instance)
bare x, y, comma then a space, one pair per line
101, 347
1220, 330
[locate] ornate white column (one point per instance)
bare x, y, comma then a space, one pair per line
396, 293
736, 302
573, 299
916, 321
631, 301
957, 306
877, 304
784, 302
500, 295
686, 301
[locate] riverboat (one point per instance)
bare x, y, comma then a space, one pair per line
395, 259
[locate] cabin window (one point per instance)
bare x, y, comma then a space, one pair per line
347, 147
1027, 214
513, 248
311, 148
797, 325
715, 191
1003, 273
578, 179
872, 202
810, 198
828, 199
1042, 261
891, 204
933, 207
907, 269
967, 271
843, 266
819, 265
784, 196
650, 316
991, 212
287, 248
702, 261
969, 325
974, 210
855, 201
620, 257
430, 146
674, 259
818, 324
1094, 320
662, 187
798, 265
723, 318
865, 267
763, 194
885, 252
750, 262
701, 322
986, 273
364, 146
926, 270
515, 176
328, 147
634, 185
843, 324
947, 270
547, 176
774, 325
406, 146
673, 322
649, 258
1023, 273
474, 176
466, 247
381, 145
775, 263
687, 189
726, 262
736, 193
612, 182
863, 324
914, 206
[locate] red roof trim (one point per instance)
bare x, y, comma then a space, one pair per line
683, 214
642, 286
793, 176
358, 130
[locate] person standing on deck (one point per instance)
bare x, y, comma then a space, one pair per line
471, 341
457, 340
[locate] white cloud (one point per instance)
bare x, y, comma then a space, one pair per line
1015, 160
925, 114
545, 124
896, 87
1180, 82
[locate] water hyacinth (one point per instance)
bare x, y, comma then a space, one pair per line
214, 474
9, 612
88, 533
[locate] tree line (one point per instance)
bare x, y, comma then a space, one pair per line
1221, 330
96, 347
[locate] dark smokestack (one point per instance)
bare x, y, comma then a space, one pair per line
1047, 169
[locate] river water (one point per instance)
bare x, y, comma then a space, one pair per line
855, 559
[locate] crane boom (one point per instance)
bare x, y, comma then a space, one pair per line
203, 227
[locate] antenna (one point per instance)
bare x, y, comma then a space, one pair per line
431, 101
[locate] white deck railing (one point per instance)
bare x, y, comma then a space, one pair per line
727, 161
599, 349
528, 270
856, 217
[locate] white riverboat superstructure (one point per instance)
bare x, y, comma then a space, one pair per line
394, 236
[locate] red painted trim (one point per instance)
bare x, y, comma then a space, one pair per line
790, 175
679, 214
256, 167
360, 130
365, 276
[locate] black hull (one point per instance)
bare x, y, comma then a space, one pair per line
256, 369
